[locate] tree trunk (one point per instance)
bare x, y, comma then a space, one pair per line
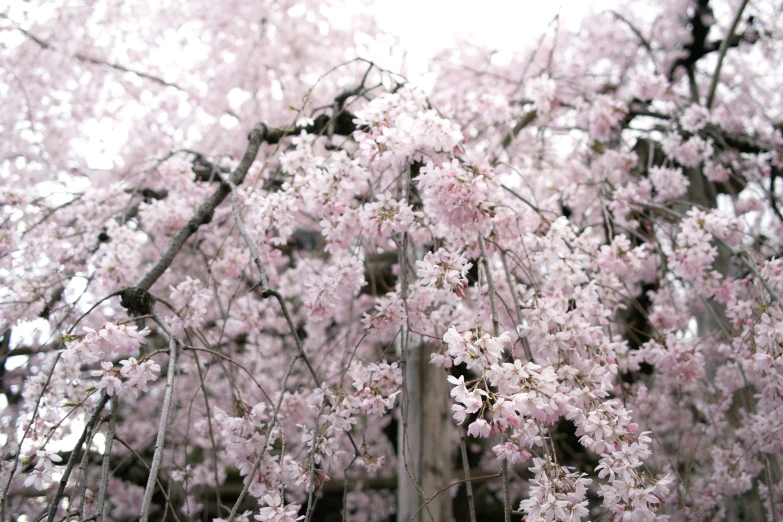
425, 449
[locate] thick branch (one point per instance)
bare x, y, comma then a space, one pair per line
343, 125
204, 214
526, 120
699, 46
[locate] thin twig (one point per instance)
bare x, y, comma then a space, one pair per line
211, 434
260, 456
141, 459
231, 361
82, 476
770, 488
311, 458
644, 41
82, 58
724, 46
403, 188
266, 292
466, 470
243, 232
160, 441
74, 455
122, 68
491, 286
441, 490
106, 460
517, 305
496, 329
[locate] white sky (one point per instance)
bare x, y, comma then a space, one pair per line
427, 25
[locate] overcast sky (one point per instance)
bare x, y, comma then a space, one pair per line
426, 26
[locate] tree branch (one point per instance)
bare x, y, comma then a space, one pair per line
204, 214
160, 441
644, 41
724, 46
122, 68
300, 347
72, 460
106, 460
83, 58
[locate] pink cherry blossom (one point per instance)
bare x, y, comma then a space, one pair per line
249, 243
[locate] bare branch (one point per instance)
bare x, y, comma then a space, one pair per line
724, 46
466, 470
74, 457
83, 58
426, 503
645, 43
106, 460
164, 419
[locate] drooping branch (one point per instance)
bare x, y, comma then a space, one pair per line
160, 441
144, 463
43, 44
267, 292
243, 232
496, 332
724, 46
15, 464
466, 471
74, 457
642, 40
106, 460
514, 297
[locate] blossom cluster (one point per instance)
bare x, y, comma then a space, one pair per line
190, 301
444, 269
458, 195
109, 341
508, 396
397, 127
386, 216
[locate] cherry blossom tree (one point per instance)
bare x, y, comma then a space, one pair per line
249, 271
